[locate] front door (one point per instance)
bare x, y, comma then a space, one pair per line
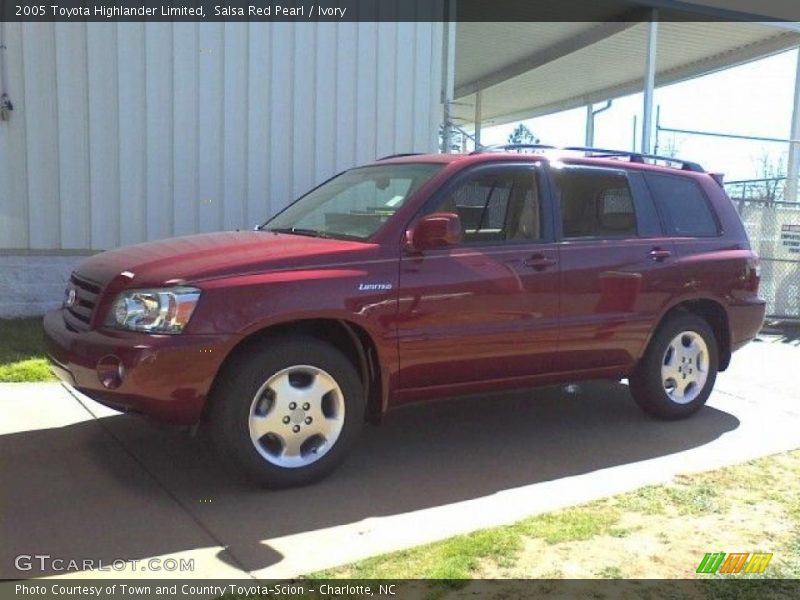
487, 309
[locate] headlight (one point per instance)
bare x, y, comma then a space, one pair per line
165, 310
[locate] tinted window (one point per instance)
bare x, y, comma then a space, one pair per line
595, 203
683, 206
497, 206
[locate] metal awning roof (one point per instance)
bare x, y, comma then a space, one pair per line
530, 69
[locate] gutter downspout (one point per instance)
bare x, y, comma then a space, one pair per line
5, 102
478, 118
448, 74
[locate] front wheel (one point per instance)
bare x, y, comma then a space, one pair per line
678, 370
288, 410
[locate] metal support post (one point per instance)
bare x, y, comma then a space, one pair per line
793, 165
478, 118
650, 83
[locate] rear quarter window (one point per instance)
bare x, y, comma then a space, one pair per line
684, 207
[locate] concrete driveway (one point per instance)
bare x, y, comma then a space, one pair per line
78, 481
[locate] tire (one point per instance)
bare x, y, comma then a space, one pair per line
287, 411
673, 380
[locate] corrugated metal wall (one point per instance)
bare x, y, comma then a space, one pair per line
129, 132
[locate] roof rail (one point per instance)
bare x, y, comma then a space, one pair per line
637, 157
501, 147
401, 155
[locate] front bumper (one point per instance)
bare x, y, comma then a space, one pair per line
167, 377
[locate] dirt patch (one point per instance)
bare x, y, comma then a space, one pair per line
651, 546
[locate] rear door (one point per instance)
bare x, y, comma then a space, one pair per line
616, 266
485, 310
713, 262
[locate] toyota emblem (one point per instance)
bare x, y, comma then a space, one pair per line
71, 297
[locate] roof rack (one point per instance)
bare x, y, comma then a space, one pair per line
401, 155
637, 157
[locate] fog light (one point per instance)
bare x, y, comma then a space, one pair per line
110, 371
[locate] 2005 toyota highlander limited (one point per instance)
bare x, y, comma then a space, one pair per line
419, 277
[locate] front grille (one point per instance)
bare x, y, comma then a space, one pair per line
79, 315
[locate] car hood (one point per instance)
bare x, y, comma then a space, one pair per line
213, 255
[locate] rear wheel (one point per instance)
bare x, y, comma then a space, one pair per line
679, 368
287, 411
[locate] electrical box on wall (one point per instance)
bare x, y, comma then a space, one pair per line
5, 107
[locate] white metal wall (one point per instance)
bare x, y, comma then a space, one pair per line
129, 132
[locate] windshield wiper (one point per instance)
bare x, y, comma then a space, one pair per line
299, 231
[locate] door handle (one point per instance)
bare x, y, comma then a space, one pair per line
539, 262
660, 254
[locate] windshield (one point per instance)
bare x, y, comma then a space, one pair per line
354, 204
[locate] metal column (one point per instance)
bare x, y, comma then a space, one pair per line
591, 113
478, 118
650, 83
793, 165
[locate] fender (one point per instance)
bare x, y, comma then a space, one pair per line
270, 300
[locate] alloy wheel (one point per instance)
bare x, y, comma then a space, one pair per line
684, 369
296, 416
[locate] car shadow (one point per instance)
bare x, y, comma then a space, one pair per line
115, 488
787, 332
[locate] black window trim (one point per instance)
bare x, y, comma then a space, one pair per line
534, 168
648, 219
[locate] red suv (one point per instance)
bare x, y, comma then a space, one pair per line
413, 278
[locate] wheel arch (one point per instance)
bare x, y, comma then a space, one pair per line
712, 312
349, 338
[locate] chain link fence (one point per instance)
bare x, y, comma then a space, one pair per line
774, 229
771, 189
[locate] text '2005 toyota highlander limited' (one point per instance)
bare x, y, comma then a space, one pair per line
419, 277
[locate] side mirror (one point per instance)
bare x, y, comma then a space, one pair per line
437, 230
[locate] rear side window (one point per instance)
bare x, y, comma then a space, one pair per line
595, 203
683, 205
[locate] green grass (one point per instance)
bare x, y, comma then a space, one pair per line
610, 573
572, 525
22, 356
460, 556
686, 496
695, 498
649, 500
455, 558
